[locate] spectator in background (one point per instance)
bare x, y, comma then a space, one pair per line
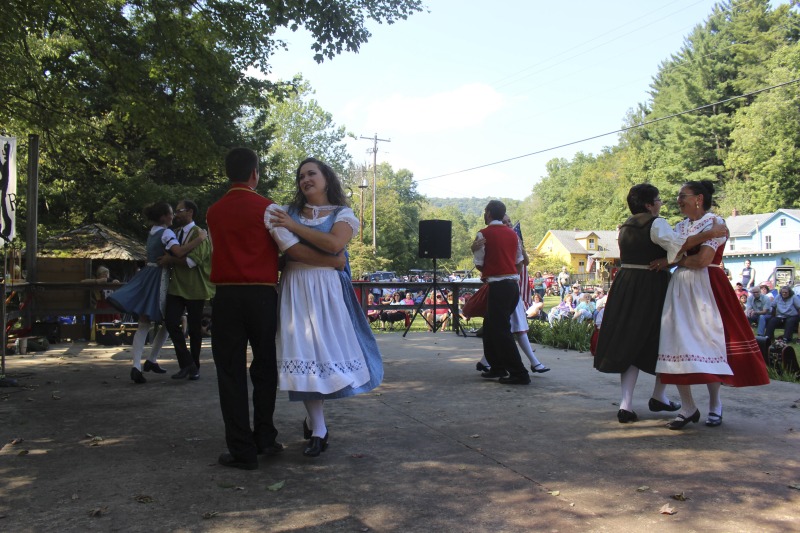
536, 310
787, 314
748, 275
538, 284
743, 301
563, 310
740, 290
563, 282
585, 308
766, 291
392, 316
758, 310
373, 315
576, 294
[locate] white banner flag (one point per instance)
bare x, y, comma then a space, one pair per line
8, 187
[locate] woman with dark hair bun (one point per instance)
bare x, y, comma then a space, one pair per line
628, 338
705, 338
145, 294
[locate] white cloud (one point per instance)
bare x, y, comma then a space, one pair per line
467, 106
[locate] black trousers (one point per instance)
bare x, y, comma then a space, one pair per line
499, 346
242, 314
194, 316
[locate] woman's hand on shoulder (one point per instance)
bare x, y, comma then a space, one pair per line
202, 234
719, 228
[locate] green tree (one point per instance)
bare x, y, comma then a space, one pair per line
138, 101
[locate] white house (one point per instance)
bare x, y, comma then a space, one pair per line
768, 240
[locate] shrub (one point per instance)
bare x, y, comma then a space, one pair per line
568, 334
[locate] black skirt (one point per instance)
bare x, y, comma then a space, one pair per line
632, 321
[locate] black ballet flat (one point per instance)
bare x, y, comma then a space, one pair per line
306, 430
681, 421
626, 417
316, 446
657, 405
714, 420
480, 367
136, 376
540, 368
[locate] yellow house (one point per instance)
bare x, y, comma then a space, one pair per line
582, 251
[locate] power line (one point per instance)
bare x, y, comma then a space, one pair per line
621, 130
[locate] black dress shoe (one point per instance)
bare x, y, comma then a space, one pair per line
195, 376
681, 421
227, 459
657, 405
540, 368
523, 379
626, 417
183, 373
306, 430
316, 446
480, 367
492, 374
714, 419
271, 449
153, 367
136, 376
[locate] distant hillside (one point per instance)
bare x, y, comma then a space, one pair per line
472, 206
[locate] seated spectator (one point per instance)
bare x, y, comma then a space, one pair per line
563, 310
585, 308
600, 298
393, 316
409, 299
373, 315
740, 290
536, 310
442, 313
766, 291
786, 308
420, 297
758, 310
576, 293
743, 301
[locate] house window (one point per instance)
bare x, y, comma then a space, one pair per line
768, 242
732, 246
581, 267
591, 244
783, 222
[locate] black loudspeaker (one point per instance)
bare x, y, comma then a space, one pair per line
435, 237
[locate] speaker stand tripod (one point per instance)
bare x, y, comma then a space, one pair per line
433, 289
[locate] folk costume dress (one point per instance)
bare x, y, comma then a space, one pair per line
326, 348
146, 293
632, 318
705, 337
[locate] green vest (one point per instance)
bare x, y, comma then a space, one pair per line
193, 283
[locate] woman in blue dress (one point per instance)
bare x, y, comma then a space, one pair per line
326, 349
145, 294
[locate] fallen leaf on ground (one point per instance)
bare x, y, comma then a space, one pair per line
666, 509
643, 488
210, 514
357, 455
680, 497
554, 492
277, 486
475, 436
795, 486
144, 498
75, 496
99, 511
23, 452
55, 397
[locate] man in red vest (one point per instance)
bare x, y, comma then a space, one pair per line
244, 268
499, 261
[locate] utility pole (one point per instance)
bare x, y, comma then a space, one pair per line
375, 141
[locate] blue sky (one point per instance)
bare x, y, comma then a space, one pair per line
470, 83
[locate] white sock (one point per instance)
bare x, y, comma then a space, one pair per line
158, 342
714, 399
525, 346
660, 391
139, 338
687, 400
628, 383
316, 418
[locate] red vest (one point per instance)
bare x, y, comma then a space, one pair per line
501, 251
244, 252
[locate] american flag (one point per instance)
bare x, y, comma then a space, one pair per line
524, 287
